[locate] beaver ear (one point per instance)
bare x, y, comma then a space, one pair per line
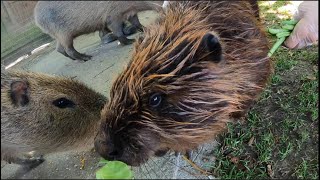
211, 47
19, 93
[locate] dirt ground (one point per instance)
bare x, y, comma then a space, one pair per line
108, 60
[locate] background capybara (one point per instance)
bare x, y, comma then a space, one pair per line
66, 20
199, 66
106, 36
45, 114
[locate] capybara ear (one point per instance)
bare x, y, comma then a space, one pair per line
211, 46
19, 93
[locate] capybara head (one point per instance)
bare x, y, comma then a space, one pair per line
47, 113
199, 66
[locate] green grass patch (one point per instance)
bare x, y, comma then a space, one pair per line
279, 138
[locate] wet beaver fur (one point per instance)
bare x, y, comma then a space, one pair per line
201, 65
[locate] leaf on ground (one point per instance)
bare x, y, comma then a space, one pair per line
82, 161
251, 141
311, 78
114, 170
269, 170
315, 68
234, 160
276, 139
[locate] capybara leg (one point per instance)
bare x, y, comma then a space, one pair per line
107, 36
104, 32
74, 54
134, 20
30, 162
61, 50
27, 165
116, 28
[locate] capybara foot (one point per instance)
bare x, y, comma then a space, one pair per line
83, 57
140, 28
34, 162
27, 165
125, 41
110, 37
129, 30
31, 162
76, 55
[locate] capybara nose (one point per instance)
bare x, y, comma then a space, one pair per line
107, 150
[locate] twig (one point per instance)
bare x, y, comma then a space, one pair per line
195, 166
104, 70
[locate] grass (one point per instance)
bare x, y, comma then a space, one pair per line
279, 138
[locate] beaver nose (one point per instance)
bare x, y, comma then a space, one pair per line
108, 150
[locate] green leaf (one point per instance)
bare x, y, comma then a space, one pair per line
103, 161
114, 170
290, 22
276, 31
288, 27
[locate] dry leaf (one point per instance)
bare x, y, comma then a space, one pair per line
276, 139
311, 78
315, 68
269, 170
235, 160
241, 167
82, 161
251, 141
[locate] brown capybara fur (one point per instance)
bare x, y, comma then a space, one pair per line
66, 20
45, 114
199, 66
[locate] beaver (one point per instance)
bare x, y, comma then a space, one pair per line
45, 114
199, 66
66, 20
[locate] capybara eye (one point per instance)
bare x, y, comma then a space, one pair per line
63, 103
155, 100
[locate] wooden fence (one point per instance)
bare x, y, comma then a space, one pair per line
19, 34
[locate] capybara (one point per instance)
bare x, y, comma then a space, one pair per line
106, 36
199, 66
45, 114
66, 20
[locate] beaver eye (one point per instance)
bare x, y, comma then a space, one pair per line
155, 100
63, 103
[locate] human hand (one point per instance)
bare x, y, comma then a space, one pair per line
306, 30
